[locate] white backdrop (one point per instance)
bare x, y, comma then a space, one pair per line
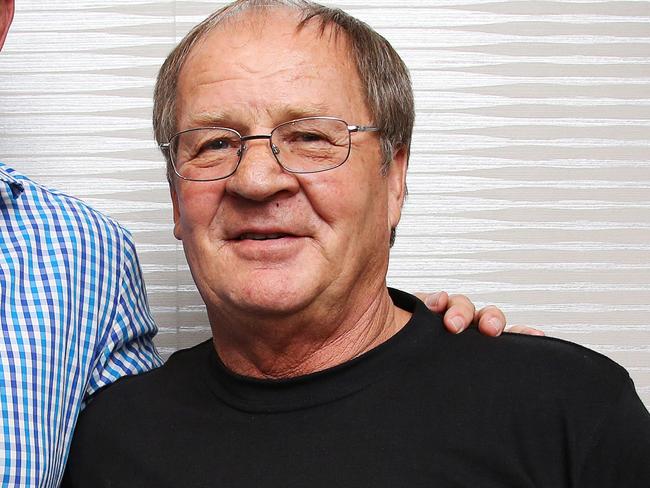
530, 177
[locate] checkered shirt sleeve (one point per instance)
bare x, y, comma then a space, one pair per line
73, 319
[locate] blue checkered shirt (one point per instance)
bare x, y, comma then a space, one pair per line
73, 318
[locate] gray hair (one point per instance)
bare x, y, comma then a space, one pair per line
384, 76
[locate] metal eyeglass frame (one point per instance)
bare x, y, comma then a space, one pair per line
165, 146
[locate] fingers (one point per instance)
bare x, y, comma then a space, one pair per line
491, 321
458, 309
436, 302
459, 314
522, 329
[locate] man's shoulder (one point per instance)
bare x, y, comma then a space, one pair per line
559, 356
526, 363
471, 357
137, 413
35, 200
132, 396
523, 363
540, 352
41, 197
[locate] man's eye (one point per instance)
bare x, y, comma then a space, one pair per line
310, 137
307, 136
216, 145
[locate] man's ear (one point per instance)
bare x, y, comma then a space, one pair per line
176, 212
6, 16
397, 185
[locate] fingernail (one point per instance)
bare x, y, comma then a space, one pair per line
432, 300
457, 323
496, 325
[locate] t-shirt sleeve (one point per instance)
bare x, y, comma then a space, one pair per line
128, 345
618, 453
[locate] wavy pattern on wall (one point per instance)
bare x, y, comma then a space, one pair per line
530, 177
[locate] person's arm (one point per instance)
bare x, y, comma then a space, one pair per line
460, 313
127, 348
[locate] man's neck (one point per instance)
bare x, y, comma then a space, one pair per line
286, 348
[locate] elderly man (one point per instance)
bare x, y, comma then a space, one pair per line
287, 128
75, 318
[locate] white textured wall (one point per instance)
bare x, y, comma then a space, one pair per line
530, 177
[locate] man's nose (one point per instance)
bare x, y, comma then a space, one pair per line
259, 176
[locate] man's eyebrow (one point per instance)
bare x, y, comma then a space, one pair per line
278, 113
210, 119
312, 110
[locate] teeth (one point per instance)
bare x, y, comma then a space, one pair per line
260, 237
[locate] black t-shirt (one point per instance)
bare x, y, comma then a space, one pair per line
424, 409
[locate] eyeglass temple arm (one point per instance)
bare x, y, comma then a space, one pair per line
362, 128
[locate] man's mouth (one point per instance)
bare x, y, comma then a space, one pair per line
262, 237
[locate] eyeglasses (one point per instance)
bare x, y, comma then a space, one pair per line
307, 145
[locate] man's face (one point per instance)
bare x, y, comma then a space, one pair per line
329, 231
6, 16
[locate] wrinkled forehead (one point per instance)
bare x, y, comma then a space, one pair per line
265, 58
255, 19
279, 27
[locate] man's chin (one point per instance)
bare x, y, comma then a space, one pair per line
271, 294
269, 307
